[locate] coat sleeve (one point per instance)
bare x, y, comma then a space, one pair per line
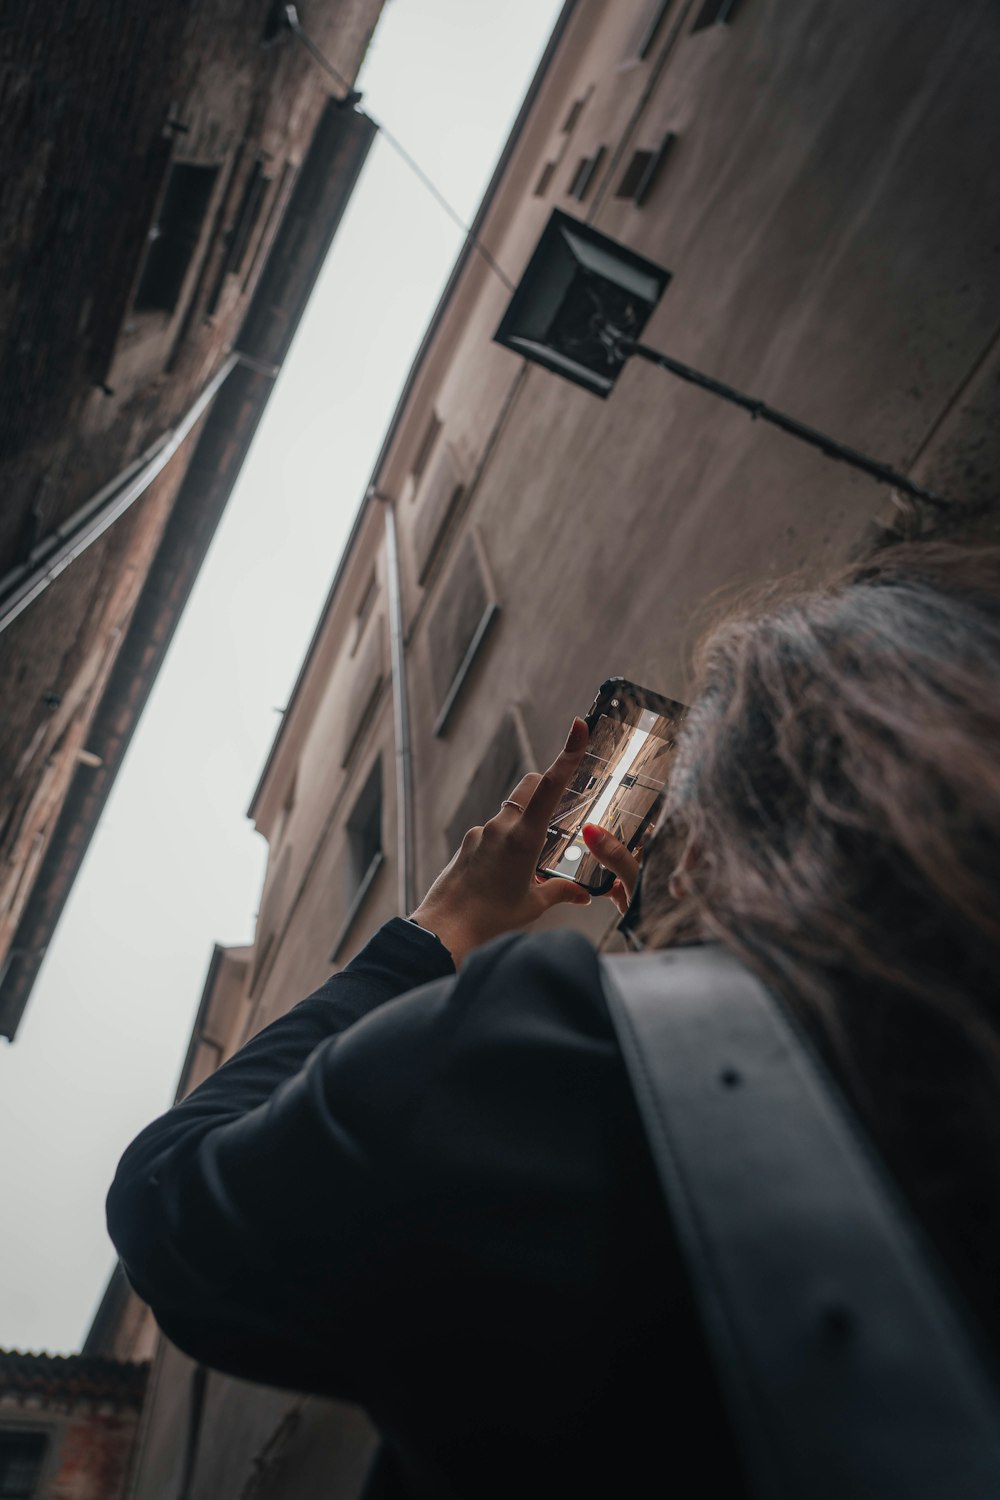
209, 1198
355, 1195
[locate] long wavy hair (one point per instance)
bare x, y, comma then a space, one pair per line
834, 819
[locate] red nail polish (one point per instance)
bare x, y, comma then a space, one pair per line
591, 832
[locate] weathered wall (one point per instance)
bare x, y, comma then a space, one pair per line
94, 1455
96, 109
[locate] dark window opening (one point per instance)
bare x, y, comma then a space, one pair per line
633, 174
575, 111
639, 177
21, 1456
585, 174
433, 526
641, 42
426, 448
364, 832
364, 609
362, 701
174, 237
364, 853
495, 777
545, 179
714, 13
442, 489
458, 628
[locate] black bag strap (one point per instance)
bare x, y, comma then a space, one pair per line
847, 1369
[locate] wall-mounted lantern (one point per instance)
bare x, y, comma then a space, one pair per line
580, 307
579, 296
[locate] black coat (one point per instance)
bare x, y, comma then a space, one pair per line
431, 1194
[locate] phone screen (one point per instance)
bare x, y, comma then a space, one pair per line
619, 785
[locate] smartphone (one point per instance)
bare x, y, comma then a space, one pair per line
619, 783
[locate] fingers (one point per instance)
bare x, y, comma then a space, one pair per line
557, 890
521, 795
614, 856
619, 896
544, 799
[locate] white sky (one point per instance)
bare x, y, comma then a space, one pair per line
175, 866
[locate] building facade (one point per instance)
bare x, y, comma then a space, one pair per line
67, 1426
822, 184
171, 179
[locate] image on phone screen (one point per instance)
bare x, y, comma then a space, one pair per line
619, 785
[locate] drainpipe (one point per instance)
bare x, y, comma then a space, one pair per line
400, 713
196, 1412
55, 552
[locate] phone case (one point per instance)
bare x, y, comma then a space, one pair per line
612, 693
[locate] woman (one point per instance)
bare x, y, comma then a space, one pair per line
426, 1188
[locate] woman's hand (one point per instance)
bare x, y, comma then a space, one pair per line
614, 856
491, 887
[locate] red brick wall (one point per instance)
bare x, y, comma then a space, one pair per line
94, 1456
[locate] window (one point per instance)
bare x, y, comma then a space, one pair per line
575, 111
441, 494
365, 692
545, 179
21, 1455
641, 41
174, 237
364, 832
364, 609
423, 453
365, 857
642, 171
365, 839
634, 174
458, 627
585, 173
714, 13
496, 776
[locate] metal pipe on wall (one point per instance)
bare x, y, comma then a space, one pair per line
400, 713
55, 552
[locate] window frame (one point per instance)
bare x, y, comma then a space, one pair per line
643, 36
365, 608
714, 13
648, 177
585, 174
41, 1436
510, 719
490, 611
425, 448
545, 177
169, 306
359, 882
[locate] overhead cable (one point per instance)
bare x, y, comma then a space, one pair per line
352, 97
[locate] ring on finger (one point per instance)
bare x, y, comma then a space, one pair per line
507, 802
